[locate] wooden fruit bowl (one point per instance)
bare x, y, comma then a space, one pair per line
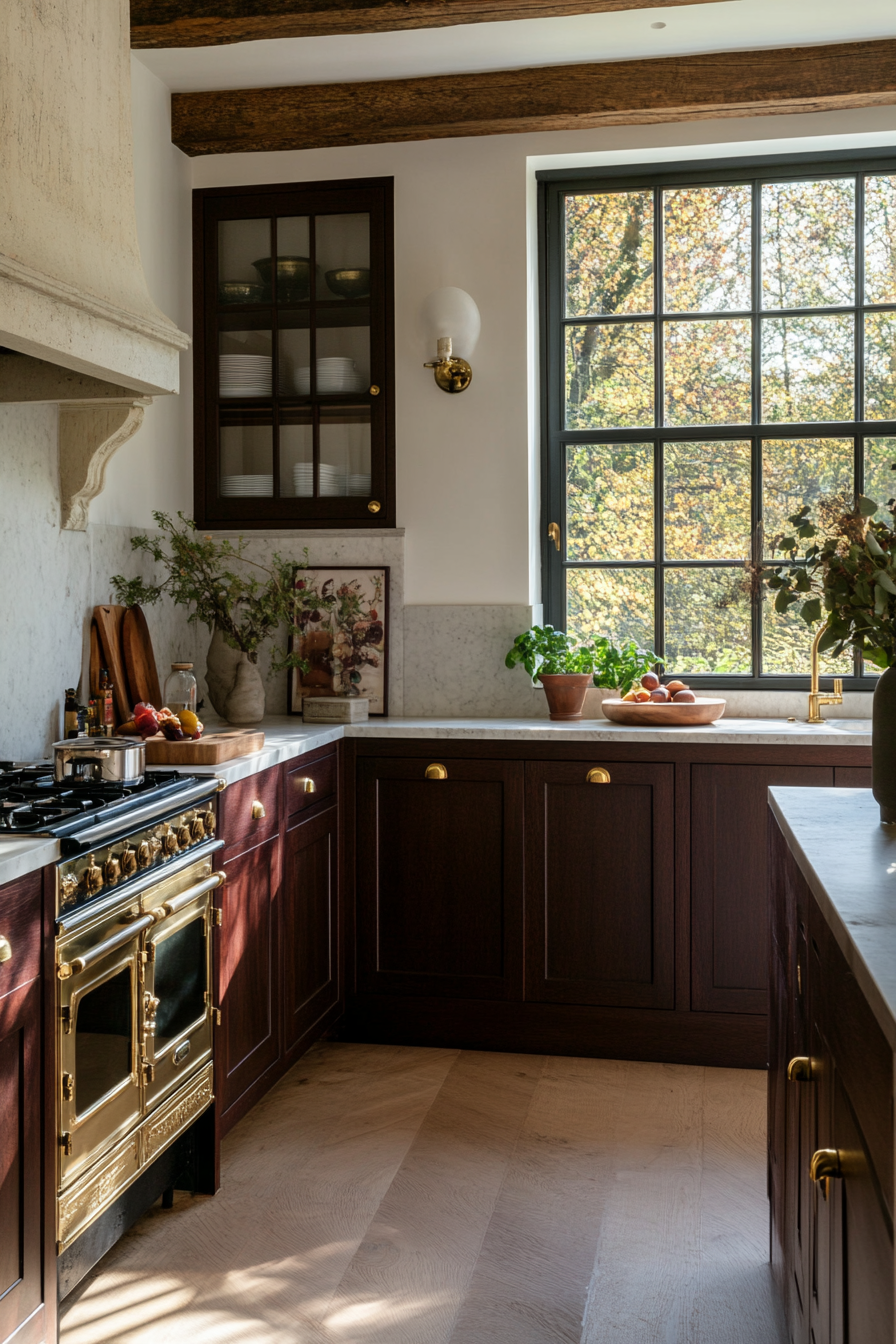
654, 714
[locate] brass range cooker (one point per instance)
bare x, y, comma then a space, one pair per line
133, 957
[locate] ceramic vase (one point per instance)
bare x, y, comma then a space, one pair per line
235, 685
883, 745
565, 693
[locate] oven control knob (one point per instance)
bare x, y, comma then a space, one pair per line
92, 877
112, 870
69, 890
197, 828
184, 836
144, 854
169, 842
209, 821
128, 861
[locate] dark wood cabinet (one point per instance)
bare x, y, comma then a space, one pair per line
310, 968
600, 885
27, 1294
279, 965
439, 877
293, 355
832, 1246
729, 884
249, 1040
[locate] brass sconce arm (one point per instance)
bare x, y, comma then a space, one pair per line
452, 373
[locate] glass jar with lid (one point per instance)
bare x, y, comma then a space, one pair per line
180, 688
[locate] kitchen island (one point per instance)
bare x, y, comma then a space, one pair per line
832, 870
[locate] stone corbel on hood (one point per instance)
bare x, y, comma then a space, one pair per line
77, 324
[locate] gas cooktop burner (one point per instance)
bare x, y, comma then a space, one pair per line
32, 802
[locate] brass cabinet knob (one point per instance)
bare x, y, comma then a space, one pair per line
5, 948
598, 775
799, 1070
824, 1167
258, 812
374, 390
374, 506
436, 772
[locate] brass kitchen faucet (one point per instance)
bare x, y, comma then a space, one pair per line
816, 697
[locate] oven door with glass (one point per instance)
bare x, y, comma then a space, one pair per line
177, 990
99, 982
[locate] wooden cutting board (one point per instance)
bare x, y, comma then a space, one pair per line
109, 621
209, 750
139, 659
96, 660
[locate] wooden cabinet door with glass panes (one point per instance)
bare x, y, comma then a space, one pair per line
720, 353
295, 362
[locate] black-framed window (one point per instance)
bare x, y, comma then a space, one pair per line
719, 346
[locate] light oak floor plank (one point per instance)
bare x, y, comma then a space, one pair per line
401, 1195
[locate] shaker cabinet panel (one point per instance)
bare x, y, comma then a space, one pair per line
310, 922
439, 877
21, 1291
600, 885
729, 881
248, 1041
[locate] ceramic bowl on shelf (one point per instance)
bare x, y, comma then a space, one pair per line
293, 277
663, 714
241, 291
349, 283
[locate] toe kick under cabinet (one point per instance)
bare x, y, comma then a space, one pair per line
593, 899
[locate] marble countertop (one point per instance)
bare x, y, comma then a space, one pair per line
287, 737
849, 862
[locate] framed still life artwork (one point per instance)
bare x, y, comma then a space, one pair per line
344, 619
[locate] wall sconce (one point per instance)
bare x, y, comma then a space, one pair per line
451, 320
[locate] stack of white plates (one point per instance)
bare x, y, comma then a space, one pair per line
357, 483
333, 375
245, 375
332, 479
246, 485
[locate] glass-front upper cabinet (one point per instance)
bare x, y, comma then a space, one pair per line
294, 355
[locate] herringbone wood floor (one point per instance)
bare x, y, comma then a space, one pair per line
396, 1195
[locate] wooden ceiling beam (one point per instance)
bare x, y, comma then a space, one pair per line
184, 23
548, 98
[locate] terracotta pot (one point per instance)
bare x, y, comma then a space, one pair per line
883, 745
566, 693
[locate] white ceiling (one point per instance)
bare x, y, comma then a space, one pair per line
732, 25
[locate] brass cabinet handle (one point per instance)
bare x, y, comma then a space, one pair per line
799, 1070
308, 785
258, 812
436, 772
554, 534
374, 506
5, 949
824, 1167
598, 775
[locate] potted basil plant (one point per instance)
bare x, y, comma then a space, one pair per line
567, 669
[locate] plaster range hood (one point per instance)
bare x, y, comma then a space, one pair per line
77, 324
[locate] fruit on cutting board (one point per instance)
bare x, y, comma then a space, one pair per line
190, 724
146, 720
149, 721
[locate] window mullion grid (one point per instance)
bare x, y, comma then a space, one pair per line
859, 440
757, 542
659, 517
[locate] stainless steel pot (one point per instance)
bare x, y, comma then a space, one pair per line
106, 760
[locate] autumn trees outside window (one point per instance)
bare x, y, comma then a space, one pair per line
719, 348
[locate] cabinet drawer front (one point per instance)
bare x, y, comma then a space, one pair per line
20, 1152
599, 884
20, 926
310, 783
239, 828
439, 877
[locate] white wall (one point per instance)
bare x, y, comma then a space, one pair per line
465, 215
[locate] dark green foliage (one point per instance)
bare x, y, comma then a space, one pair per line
546, 650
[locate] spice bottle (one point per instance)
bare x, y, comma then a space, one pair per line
70, 714
93, 726
180, 688
105, 706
